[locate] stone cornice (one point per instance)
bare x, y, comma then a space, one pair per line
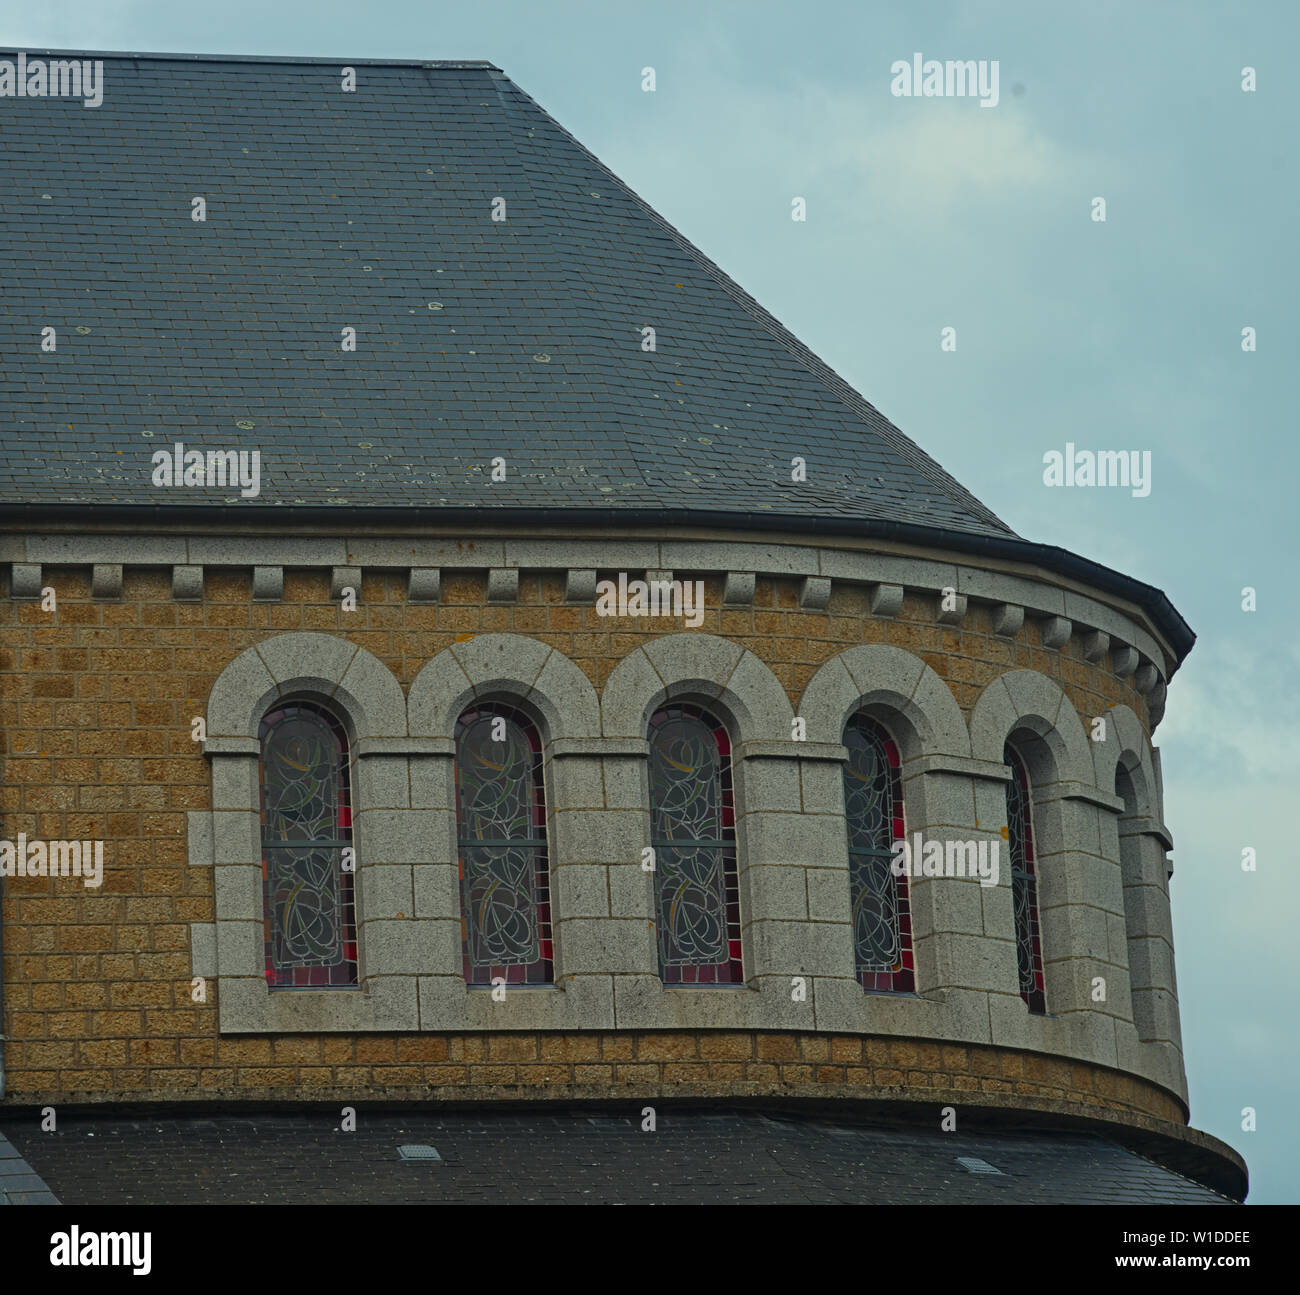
1119, 638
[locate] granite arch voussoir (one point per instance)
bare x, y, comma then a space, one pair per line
699, 667
1127, 746
287, 664
884, 676
1025, 699
511, 665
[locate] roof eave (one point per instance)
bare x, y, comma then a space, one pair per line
1164, 616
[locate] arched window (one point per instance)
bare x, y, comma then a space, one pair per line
693, 832
1024, 886
309, 913
1139, 942
873, 815
505, 895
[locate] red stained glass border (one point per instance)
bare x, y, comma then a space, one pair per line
1035, 998
541, 970
343, 974
902, 978
731, 971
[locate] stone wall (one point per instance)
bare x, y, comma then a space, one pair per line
97, 700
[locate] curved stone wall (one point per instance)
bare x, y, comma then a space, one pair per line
131, 660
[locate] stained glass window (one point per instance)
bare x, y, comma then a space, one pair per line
504, 872
873, 814
693, 832
308, 910
1024, 884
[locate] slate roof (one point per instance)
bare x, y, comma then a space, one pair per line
476, 338
499, 1155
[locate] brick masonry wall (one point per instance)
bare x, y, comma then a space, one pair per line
96, 703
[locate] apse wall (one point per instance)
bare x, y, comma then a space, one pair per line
951, 660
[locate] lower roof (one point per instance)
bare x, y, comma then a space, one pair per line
512, 1155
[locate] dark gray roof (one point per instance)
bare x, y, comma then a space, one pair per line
476, 338
500, 1155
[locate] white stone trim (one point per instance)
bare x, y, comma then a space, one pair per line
1123, 661
1126, 744
738, 590
424, 584
580, 585
106, 581
369, 701
1027, 699
507, 665
695, 666
814, 593
953, 615
342, 578
1095, 646
886, 600
886, 575
187, 584
880, 675
268, 584
1079, 893
323, 664
1056, 631
503, 585
1007, 620
790, 837
25, 580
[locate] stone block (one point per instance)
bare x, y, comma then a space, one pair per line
25, 581
950, 610
106, 581
886, 600
187, 584
739, 589
342, 578
503, 585
1056, 631
580, 585
1123, 660
1007, 619
423, 584
1095, 646
814, 593
268, 584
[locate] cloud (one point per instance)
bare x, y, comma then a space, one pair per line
933, 157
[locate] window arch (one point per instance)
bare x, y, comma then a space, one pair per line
693, 832
873, 815
505, 892
1024, 883
309, 912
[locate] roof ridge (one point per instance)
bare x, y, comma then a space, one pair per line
303, 60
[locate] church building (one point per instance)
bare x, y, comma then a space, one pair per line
457, 647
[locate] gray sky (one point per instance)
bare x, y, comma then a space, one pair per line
928, 213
